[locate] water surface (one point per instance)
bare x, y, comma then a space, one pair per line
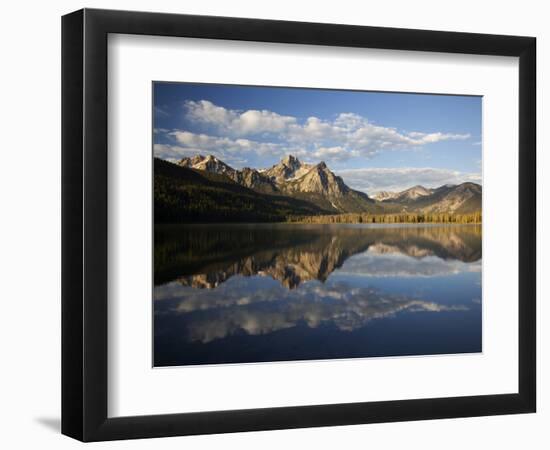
277, 292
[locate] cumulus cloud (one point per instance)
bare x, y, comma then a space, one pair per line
372, 180
232, 151
347, 135
172, 152
236, 122
336, 153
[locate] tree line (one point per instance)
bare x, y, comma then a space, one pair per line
474, 217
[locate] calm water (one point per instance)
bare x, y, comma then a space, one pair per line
263, 292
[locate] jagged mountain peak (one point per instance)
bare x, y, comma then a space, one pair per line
320, 180
322, 165
209, 163
290, 161
191, 160
290, 167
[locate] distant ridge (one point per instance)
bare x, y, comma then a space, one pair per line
449, 198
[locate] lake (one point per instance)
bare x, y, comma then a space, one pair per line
240, 293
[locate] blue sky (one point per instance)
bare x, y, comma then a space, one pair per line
374, 140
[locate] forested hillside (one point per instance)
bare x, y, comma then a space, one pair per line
189, 195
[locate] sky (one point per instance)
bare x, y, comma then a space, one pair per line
376, 141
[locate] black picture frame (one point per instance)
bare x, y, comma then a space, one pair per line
84, 224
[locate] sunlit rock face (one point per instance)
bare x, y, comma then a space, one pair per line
289, 168
208, 163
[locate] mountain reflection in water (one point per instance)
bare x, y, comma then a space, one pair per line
264, 292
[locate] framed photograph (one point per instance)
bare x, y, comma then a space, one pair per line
273, 224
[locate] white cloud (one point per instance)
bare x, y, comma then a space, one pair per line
235, 122
252, 121
174, 153
429, 138
348, 131
205, 111
372, 180
333, 153
349, 121
225, 148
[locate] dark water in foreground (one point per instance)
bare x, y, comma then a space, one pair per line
264, 292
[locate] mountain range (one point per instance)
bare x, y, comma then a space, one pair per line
462, 198
314, 183
206, 188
